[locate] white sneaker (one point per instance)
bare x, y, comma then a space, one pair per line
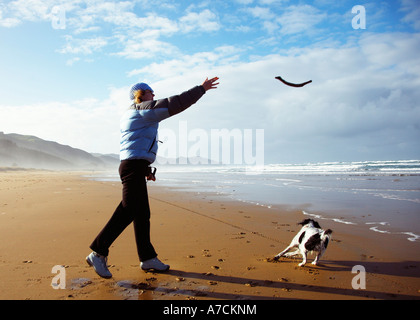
154, 264
98, 263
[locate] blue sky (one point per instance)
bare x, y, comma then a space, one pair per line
67, 67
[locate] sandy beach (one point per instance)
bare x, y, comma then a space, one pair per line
217, 249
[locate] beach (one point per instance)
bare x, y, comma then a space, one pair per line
218, 248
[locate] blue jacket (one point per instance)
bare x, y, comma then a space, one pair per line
139, 124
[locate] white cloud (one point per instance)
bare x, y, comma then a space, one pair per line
8, 22
203, 21
146, 48
261, 13
160, 26
139, 36
87, 14
83, 46
31, 10
187, 64
293, 19
23, 10
300, 19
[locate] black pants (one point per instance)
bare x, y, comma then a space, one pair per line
134, 207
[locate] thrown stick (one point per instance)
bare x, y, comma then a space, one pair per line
296, 85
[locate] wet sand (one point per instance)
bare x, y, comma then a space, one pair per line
217, 249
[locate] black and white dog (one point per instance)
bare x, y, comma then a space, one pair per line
310, 238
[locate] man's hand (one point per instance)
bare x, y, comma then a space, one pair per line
151, 174
210, 84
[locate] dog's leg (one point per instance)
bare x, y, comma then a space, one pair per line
283, 252
303, 252
292, 254
318, 256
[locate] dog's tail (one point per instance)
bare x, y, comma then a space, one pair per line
325, 237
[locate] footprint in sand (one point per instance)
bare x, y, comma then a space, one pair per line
240, 235
80, 283
206, 253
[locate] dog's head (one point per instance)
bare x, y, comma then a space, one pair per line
310, 222
328, 231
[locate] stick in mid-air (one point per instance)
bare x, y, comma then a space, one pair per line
296, 85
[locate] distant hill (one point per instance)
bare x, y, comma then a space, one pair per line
32, 152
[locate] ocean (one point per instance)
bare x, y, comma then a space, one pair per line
382, 196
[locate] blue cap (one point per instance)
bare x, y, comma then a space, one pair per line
139, 86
